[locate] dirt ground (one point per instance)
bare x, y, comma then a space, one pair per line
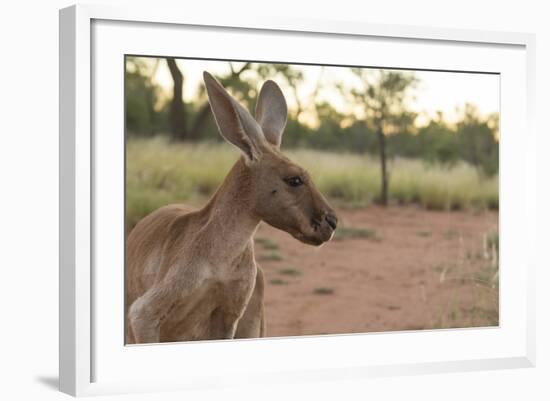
395, 268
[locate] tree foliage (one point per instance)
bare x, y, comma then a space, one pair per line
384, 121
141, 97
383, 98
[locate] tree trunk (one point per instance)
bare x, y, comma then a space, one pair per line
200, 121
195, 131
383, 167
178, 127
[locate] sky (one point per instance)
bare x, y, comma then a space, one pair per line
436, 91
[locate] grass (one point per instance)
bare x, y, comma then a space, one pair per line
490, 315
493, 239
450, 234
272, 256
323, 291
440, 268
483, 282
486, 275
278, 281
290, 271
355, 232
483, 311
267, 243
159, 172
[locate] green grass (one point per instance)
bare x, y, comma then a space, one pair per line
323, 291
440, 268
490, 315
278, 281
450, 234
159, 172
267, 243
290, 271
343, 233
485, 275
272, 256
484, 283
493, 240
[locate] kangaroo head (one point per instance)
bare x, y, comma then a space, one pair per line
281, 192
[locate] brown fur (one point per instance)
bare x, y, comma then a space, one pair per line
191, 274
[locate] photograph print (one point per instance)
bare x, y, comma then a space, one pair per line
281, 200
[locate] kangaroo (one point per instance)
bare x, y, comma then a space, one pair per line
191, 274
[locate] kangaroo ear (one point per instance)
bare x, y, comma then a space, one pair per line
234, 122
272, 112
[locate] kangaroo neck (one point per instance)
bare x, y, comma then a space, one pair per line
230, 221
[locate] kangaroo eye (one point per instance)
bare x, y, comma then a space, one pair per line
294, 181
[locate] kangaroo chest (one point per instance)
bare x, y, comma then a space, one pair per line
218, 305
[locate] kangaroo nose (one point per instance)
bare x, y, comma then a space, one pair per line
332, 220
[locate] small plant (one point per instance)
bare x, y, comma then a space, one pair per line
450, 234
424, 233
490, 315
343, 233
490, 252
278, 281
272, 256
487, 276
290, 271
439, 268
492, 240
323, 291
443, 270
267, 243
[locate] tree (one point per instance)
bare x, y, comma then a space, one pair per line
141, 96
383, 98
181, 127
178, 127
242, 81
478, 140
233, 82
438, 142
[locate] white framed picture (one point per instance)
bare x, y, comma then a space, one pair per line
404, 151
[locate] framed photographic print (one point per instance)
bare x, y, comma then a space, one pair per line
290, 200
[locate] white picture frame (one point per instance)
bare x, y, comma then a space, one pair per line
91, 40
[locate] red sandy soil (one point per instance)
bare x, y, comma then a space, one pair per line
423, 270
